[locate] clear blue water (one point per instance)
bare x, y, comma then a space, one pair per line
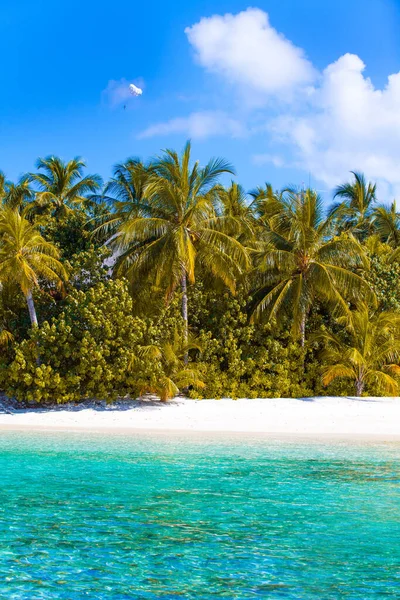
115, 518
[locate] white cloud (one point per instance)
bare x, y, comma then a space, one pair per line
198, 125
249, 53
117, 91
349, 125
327, 123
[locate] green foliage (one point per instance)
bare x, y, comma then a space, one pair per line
187, 245
89, 267
300, 262
26, 257
90, 350
241, 359
178, 372
368, 355
384, 279
354, 211
61, 186
70, 234
176, 230
13, 314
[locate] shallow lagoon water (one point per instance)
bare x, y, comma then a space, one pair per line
117, 517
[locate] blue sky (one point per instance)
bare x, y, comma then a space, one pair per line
286, 109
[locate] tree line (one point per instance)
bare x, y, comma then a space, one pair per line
164, 280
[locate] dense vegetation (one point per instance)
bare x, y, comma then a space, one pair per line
163, 280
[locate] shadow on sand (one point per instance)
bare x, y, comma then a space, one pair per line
150, 402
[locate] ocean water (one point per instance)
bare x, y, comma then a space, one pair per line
116, 517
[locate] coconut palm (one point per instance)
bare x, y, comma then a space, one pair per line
15, 195
26, 258
299, 264
266, 202
62, 185
3, 185
356, 205
262, 193
369, 355
123, 194
234, 203
387, 224
179, 230
19, 195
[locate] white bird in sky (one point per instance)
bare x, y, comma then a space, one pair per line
134, 90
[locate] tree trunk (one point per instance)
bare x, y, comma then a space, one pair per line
34, 321
185, 315
359, 387
31, 308
303, 330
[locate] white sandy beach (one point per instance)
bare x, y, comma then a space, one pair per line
315, 417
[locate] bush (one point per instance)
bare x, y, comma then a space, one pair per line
384, 278
97, 347
241, 359
70, 233
89, 350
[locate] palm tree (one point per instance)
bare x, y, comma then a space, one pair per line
15, 195
178, 229
25, 257
370, 356
387, 224
235, 204
123, 194
61, 185
355, 209
299, 264
262, 193
266, 205
3, 185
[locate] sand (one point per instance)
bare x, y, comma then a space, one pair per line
312, 417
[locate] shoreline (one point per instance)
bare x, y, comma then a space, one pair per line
215, 435
319, 418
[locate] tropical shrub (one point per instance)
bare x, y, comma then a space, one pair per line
384, 279
89, 267
89, 350
242, 359
70, 234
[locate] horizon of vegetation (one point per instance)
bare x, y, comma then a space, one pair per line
163, 280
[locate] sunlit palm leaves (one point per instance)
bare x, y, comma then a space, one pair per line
178, 228
15, 195
387, 224
25, 257
235, 204
124, 196
372, 354
62, 186
355, 206
299, 262
177, 374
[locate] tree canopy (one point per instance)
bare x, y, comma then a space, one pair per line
172, 277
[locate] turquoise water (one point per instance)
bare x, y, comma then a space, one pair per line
118, 518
